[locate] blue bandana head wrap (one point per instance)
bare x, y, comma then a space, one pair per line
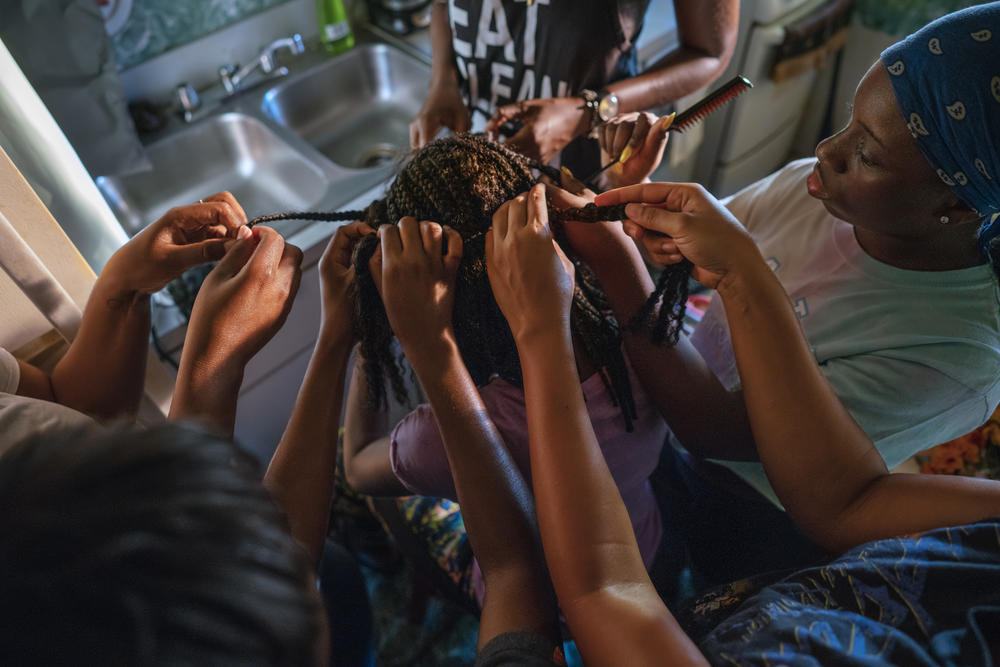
946, 77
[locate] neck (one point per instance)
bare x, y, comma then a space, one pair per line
950, 249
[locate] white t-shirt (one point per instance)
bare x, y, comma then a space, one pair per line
913, 355
21, 417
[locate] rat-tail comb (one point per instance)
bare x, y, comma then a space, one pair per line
710, 103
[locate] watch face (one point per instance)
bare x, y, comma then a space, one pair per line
607, 108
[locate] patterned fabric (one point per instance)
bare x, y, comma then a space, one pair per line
438, 523
947, 82
929, 599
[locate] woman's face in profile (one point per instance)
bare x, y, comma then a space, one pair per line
871, 173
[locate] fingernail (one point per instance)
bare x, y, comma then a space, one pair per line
244, 233
626, 154
633, 211
667, 121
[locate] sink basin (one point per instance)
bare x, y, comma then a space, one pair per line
232, 152
355, 109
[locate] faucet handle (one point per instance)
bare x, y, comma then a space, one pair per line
189, 100
298, 46
226, 74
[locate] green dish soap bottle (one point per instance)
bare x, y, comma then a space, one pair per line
334, 30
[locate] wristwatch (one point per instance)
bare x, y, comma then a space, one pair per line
603, 105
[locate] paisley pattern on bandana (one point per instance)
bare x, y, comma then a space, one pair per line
946, 78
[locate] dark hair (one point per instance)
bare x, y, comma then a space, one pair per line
147, 547
461, 181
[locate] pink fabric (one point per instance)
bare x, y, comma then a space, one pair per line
420, 463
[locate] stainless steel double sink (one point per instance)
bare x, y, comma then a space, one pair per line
315, 140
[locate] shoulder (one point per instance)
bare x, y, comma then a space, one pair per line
10, 372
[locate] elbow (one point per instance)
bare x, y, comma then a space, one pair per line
355, 478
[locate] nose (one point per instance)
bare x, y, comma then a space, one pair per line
830, 152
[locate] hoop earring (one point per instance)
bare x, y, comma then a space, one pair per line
944, 220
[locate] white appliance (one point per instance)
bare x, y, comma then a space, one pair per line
753, 135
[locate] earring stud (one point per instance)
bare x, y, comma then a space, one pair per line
945, 220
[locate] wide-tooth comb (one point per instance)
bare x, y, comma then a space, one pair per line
710, 103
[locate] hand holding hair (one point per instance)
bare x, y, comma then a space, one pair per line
680, 222
531, 277
416, 279
337, 280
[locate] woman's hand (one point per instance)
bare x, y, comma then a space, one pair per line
640, 139
184, 237
548, 125
682, 220
532, 279
444, 108
417, 281
336, 274
245, 299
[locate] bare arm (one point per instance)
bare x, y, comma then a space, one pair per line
708, 37
103, 371
366, 441
610, 604
707, 32
240, 306
301, 473
444, 106
837, 488
417, 288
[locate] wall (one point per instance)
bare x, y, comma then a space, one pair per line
198, 62
152, 27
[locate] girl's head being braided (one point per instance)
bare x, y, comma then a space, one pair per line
461, 181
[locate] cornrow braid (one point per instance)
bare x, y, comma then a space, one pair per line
461, 181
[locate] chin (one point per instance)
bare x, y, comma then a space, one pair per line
832, 209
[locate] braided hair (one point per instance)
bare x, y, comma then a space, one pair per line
461, 181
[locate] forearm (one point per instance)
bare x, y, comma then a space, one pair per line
366, 440
301, 473
709, 420
444, 71
681, 73
707, 30
586, 530
600, 580
206, 390
837, 488
819, 461
103, 372
496, 503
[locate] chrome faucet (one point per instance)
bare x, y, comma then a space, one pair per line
232, 76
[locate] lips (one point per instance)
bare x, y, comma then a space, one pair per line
814, 184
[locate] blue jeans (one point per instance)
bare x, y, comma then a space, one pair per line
342, 588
